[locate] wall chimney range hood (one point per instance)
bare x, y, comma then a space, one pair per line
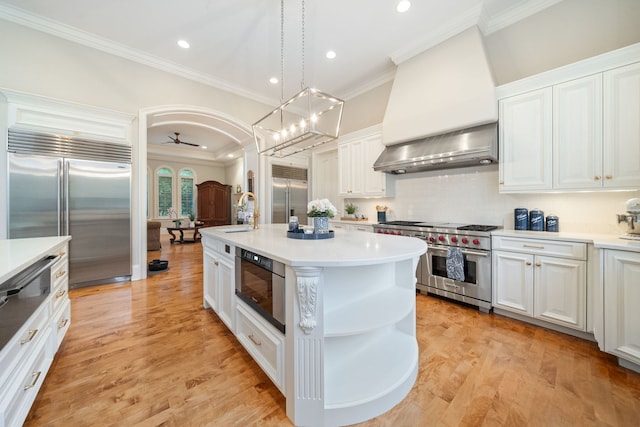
442, 111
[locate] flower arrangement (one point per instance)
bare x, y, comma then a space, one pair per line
321, 208
174, 214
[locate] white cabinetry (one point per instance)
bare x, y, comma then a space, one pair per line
219, 280
622, 127
352, 226
541, 279
573, 128
356, 155
525, 141
621, 301
26, 358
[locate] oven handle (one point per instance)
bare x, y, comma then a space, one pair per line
464, 251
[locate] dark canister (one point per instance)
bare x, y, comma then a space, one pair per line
552, 223
536, 220
521, 218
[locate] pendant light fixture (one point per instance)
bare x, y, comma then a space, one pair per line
308, 119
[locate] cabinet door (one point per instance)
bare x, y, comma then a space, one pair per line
622, 127
375, 183
577, 134
525, 141
357, 167
621, 301
226, 283
344, 169
513, 282
560, 291
210, 281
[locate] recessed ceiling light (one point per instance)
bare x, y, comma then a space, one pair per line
204, 147
230, 155
330, 54
403, 6
273, 80
183, 44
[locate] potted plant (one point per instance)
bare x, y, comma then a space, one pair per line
350, 209
192, 220
321, 210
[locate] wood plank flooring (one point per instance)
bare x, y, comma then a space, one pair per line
146, 353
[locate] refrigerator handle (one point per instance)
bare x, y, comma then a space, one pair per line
64, 200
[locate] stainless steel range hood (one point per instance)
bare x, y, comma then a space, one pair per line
468, 147
442, 111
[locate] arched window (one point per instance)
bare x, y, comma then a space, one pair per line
165, 190
187, 186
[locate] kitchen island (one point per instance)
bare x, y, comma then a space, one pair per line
349, 352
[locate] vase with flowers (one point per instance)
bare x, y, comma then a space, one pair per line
174, 214
321, 210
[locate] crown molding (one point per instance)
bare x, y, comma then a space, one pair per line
84, 38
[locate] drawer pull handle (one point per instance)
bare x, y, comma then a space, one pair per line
216, 263
254, 340
533, 246
61, 293
608, 177
63, 323
597, 177
32, 333
35, 376
528, 263
59, 274
538, 264
62, 253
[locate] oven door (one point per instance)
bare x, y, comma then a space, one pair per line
261, 289
477, 273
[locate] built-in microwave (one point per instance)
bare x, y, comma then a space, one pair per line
260, 284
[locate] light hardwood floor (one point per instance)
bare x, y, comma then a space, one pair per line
146, 353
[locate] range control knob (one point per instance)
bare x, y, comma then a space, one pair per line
392, 232
441, 238
465, 240
386, 231
476, 242
399, 233
432, 239
379, 231
454, 239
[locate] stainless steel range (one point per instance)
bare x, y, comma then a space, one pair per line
473, 282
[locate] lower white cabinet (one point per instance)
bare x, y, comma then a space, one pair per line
541, 279
621, 304
26, 358
219, 280
352, 226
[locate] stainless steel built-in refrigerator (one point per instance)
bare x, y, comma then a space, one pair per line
288, 194
87, 199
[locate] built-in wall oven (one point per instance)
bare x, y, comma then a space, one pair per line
260, 284
474, 244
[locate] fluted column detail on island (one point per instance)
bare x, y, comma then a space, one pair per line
307, 281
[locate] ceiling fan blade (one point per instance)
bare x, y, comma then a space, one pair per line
189, 143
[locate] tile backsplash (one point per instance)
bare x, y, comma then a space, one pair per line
471, 195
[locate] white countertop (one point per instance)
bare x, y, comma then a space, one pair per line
346, 248
602, 241
18, 254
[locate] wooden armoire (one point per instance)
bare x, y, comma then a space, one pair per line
214, 203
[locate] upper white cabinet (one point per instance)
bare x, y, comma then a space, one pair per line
577, 134
622, 127
574, 128
525, 135
356, 155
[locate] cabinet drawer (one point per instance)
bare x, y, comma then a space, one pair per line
60, 325
23, 387
60, 270
540, 247
263, 342
27, 338
59, 296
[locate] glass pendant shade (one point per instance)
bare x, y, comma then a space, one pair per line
308, 119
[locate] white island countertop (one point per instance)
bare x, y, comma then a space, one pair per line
18, 254
346, 248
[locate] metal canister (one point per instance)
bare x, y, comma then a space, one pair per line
293, 223
521, 219
536, 220
552, 223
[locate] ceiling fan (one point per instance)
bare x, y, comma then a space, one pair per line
177, 141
